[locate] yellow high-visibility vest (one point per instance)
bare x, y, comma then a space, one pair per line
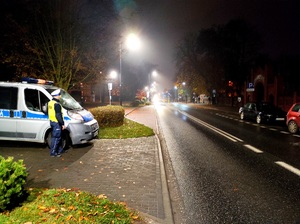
51, 110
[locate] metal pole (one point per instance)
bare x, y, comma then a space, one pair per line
109, 86
149, 84
109, 93
120, 73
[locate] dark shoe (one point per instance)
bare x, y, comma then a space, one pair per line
58, 155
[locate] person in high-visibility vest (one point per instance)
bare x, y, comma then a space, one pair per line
57, 123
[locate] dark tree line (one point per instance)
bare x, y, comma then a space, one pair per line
221, 58
212, 57
66, 41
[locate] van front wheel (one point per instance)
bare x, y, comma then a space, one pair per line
65, 140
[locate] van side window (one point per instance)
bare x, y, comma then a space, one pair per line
35, 100
44, 101
9, 98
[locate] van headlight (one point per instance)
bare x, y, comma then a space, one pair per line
75, 116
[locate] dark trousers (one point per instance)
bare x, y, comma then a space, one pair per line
56, 146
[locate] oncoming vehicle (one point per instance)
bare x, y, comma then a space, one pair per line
261, 112
23, 114
293, 118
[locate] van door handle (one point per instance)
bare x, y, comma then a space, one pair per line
11, 113
23, 114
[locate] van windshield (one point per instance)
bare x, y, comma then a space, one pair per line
67, 101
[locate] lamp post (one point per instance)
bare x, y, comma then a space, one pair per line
132, 43
120, 73
109, 86
112, 75
185, 92
153, 73
176, 94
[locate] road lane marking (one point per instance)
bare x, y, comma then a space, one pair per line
285, 132
253, 148
235, 139
261, 126
288, 167
217, 130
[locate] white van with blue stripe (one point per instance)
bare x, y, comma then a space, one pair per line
23, 117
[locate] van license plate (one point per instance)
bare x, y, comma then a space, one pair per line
95, 133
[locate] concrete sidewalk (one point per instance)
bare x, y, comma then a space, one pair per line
127, 170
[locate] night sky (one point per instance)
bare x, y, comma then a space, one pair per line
163, 22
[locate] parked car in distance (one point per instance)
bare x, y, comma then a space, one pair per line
262, 112
293, 118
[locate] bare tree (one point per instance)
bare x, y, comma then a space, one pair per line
62, 40
188, 64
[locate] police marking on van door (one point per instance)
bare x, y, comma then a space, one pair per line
17, 114
4, 113
31, 115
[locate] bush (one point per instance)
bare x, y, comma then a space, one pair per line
109, 116
13, 176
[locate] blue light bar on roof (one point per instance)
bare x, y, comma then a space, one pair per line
36, 81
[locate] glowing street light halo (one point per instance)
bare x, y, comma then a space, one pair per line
113, 74
133, 42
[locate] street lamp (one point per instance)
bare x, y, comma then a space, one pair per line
147, 89
184, 91
112, 75
153, 73
132, 43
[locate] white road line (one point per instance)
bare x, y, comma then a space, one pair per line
256, 125
285, 132
219, 131
288, 167
253, 148
235, 139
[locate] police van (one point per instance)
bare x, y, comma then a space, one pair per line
23, 114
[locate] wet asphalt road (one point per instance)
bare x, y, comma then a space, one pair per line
220, 178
